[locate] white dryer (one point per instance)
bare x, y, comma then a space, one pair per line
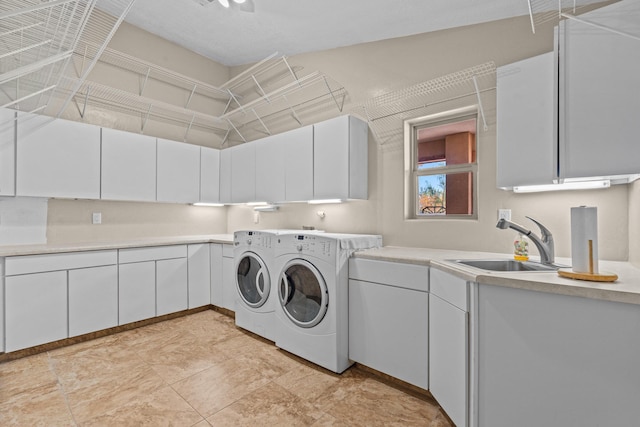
255, 304
313, 310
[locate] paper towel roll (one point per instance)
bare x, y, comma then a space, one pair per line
584, 229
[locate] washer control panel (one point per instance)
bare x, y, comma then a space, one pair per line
255, 239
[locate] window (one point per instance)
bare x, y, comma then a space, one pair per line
441, 165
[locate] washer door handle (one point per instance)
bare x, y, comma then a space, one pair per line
285, 289
259, 275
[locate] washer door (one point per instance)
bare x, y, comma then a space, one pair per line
252, 280
303, 293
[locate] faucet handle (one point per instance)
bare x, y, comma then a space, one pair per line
546, 234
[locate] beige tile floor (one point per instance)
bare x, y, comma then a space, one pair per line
198, 370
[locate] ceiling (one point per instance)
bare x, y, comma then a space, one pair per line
235, 37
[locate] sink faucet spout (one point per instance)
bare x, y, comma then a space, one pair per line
544, 243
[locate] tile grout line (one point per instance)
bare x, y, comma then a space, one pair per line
61, 387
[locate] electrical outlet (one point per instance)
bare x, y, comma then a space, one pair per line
256, 217
96, 218
504, 214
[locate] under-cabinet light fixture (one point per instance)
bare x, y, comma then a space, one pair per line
322, 201
577, 185
208, 204
266, 208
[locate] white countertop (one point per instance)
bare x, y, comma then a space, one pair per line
625, 289
18, 250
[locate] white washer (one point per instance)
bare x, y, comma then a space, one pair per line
255, 304
256, 295
312, 312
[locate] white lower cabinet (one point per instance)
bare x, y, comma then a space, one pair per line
388, 318
229, 292
448, 345
35, 309
152, 282
215, 250
137, 291
199, 275
171, 286
555, 360
93, 299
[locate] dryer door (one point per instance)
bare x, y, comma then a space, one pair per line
252, 280
303, 293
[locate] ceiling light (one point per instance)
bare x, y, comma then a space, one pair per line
239, 1
578, 185
224, 3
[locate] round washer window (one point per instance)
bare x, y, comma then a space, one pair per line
303, 293
252, 280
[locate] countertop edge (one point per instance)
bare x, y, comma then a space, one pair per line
43, 249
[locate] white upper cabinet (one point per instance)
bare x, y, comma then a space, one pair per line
600, 93
209, 175
526, 99
243, 173
340, 159
178, 177
7, 152
270, 172
57, 158
297, 146
128, 166
225, 176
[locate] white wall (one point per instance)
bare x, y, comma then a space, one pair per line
365, 70
368, 70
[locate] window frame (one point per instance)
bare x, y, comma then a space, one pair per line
412, 173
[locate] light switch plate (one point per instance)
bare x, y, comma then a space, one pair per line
96, 218
504, 214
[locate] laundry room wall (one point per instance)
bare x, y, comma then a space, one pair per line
70, 220
371, 69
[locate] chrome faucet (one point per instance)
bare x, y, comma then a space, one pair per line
544, 243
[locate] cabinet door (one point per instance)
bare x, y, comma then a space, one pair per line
178, 172
93, 299
7, 152
448, 358
270, 169
209, 175
388, 330
243, 173
171, 286
229, 292
128, 166
35, 309
136, 291
215, 250
298, 164
599, 86
57, 158
340, 159
199, 270
526, 99
225, 176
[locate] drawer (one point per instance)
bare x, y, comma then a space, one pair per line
54, 262
227, 251
408, 276
153, 253
450, 288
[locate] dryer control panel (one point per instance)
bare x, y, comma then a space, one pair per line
307, 244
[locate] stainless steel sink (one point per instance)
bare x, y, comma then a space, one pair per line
505, 265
